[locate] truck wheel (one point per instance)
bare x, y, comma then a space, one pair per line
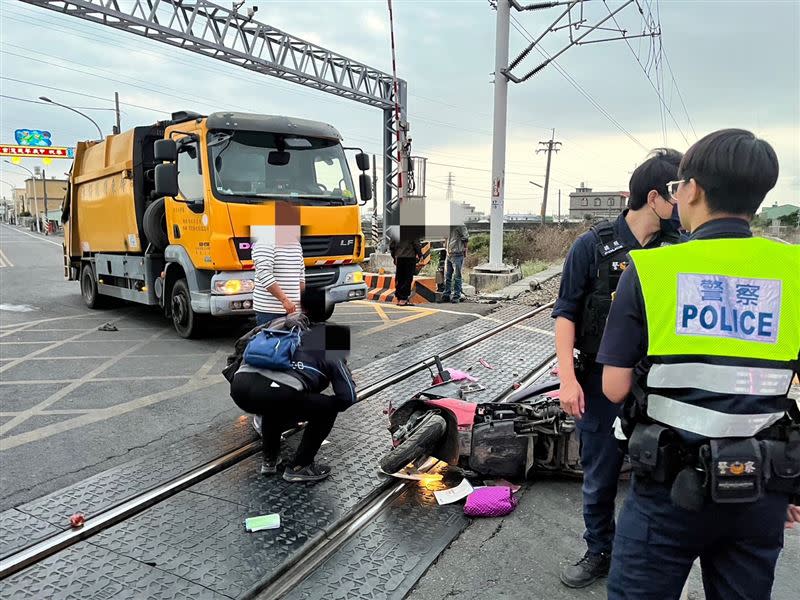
187, 323
154, 224
328, 312
420, 443
91, 296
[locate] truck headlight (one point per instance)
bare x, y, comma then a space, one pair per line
354, 277
234, 286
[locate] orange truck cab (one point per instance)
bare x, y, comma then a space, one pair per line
162, 214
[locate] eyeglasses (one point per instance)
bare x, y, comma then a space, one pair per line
672, 187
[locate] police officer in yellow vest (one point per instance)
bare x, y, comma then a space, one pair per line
702, 343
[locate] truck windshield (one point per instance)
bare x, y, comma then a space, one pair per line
251, 164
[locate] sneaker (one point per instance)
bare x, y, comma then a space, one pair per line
455, 300
313, 472
257, 423
444, 299
586, 571
269, 467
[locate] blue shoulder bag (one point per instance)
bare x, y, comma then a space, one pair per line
272, 349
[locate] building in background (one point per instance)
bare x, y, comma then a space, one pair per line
774, 213
35, 192
18, 201
594, 206
470, 213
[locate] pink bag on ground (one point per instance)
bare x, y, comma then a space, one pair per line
490, 501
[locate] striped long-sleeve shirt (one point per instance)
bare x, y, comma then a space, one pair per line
277, 264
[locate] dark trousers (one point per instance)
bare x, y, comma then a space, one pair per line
601, 459
262, 318
281, 408
656, 544
404, 277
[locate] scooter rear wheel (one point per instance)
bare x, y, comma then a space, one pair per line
420, 443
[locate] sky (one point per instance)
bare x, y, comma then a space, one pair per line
724, 64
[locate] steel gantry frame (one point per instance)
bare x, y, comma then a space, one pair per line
236, 38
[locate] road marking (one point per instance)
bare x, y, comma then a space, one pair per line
52, 346
4, 261
97, 356
93, 380
17, 327
394, 323
381, 313
199, 381
36, 237
27, 414
18, 307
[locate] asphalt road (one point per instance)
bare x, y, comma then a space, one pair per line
75, 401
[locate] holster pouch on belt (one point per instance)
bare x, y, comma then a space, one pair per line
736, 470
653, 452
783, 458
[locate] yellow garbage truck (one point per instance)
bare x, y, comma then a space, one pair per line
162, 214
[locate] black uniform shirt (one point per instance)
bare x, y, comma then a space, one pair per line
625, 338
580, 268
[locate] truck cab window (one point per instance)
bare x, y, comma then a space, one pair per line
190, 177
254, 165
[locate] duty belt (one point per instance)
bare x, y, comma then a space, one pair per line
726, 470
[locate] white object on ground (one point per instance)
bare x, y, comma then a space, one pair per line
461, 491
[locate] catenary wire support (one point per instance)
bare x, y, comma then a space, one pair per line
237, 38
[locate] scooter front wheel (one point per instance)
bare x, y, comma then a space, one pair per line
420, 443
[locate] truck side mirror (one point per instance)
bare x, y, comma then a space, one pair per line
166, 180
365, 185
362, 160
165, 150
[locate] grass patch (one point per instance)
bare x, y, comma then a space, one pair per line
531, 267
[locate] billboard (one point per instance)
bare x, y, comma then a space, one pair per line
20, 151
33, 137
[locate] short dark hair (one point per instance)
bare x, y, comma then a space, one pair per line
312, 301
734, 168
660, 168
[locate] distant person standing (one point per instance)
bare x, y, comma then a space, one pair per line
280, 273
405, 252
456, 251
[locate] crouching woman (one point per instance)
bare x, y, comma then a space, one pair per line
286, 397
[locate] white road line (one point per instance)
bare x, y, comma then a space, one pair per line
53, 398
17, 327
36, 237
200, 380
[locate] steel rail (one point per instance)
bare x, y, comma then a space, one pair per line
294, 572
39, 551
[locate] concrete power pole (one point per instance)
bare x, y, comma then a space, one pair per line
449, 196
117, 128
550, 146
499, 138
44, 193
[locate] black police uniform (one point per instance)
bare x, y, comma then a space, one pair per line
590, 275
656, 541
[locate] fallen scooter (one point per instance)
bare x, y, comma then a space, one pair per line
524, 433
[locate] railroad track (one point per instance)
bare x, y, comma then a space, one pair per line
294, 570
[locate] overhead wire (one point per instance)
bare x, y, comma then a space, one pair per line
527, 35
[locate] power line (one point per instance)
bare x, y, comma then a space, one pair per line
527, 35
662, 103
29, 101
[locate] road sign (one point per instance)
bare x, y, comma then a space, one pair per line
15, 150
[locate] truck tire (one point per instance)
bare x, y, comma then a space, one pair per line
154, 224
420, 443
187, 323
91, 297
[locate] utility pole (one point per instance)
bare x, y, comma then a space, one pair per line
450, 182
550, 146
44, 194
117, 128
499, 137
559, 205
